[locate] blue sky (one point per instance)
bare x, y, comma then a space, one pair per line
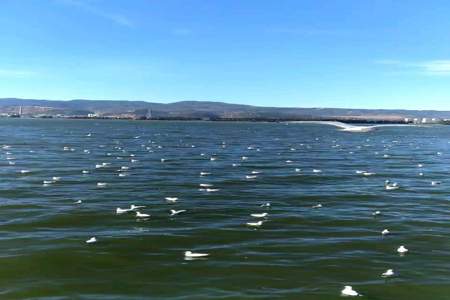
341, 53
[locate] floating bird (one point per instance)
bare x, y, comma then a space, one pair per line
317, 171
388, 273
204, 173
120, 211
434, 183
190, 254
78, 202
402, 250
134, 207
255, 224
349, 291
205, 185
385, 232
171, 199
392, 186
317, 206
101, 184
376, 213
251, 176
91, 240
174, 212
265, 204
85, 172
261, 215
141, 215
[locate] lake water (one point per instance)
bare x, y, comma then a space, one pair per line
299, 252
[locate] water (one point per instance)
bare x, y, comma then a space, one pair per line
298, 253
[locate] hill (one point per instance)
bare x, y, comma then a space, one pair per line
200, 110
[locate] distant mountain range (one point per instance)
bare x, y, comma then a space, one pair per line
199, 110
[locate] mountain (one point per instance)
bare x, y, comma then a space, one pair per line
199, 110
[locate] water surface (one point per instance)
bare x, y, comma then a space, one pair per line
298, 253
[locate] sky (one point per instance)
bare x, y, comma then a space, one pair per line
294, 53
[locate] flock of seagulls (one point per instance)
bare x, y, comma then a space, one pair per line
257, 219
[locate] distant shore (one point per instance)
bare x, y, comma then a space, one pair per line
268, 120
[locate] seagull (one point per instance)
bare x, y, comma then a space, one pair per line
190, 254
204, 173
255, 224
388, 273
171, 199
261, 215
434, 183
205, 185
349, 291
134, 207
317, 206
376, 213
402, 250
265, 204
101, 184
141, 215
392, 186
78, 202
174, 212
317, 171
251, 176
368, 173
91, 240
385, 232
55, 178
120, 211
85, 172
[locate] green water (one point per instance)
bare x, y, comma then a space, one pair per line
298, 253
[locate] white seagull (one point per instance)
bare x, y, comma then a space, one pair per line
255, 224
261, 215
402, 250
171, 199
120, 211
174, 212
388, 273
190, 254
141, 215
134, 207
349, 291
91, 240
